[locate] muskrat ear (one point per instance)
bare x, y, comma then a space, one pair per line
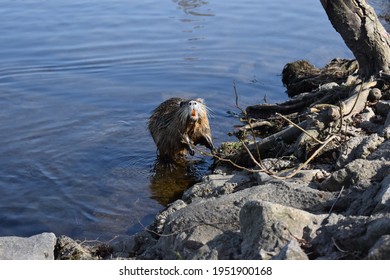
201, 100
182, 103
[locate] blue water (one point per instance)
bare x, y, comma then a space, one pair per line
78, 80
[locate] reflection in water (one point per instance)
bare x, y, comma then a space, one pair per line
195, 13
192, 7
168, 184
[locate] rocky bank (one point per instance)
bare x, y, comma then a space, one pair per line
335, 207
241, 215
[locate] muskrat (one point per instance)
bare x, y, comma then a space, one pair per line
177, 125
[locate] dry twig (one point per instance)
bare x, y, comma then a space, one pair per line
332, 136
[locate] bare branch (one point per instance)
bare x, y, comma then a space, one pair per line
300, 128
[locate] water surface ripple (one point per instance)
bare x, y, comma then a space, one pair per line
78, 80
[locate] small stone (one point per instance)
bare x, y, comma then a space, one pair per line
374, 95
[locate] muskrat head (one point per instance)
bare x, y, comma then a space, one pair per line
192, 108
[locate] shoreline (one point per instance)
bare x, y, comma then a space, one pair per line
335, 207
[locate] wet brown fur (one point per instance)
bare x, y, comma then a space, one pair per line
174, 130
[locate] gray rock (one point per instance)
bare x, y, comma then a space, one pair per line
382, 152
294, 192
382, 199
209, 228
289, 193
358, 147
291, 251
372, 200
158, 225
37, 247
347, 151
359, 172
227, 245
262, 178
306, 176
132, 246
349, 237
189, 231
386, 128
387, 122
367, 115
363, 172
335, 182
383, 107
269, 227
358, 202
217, 184
69, 249
375, 95
381, 249
368, 145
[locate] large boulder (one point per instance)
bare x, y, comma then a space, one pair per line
211, 226
269, 228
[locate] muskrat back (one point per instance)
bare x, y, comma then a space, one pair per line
177, 124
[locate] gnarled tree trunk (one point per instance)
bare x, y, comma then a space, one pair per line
358, 25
